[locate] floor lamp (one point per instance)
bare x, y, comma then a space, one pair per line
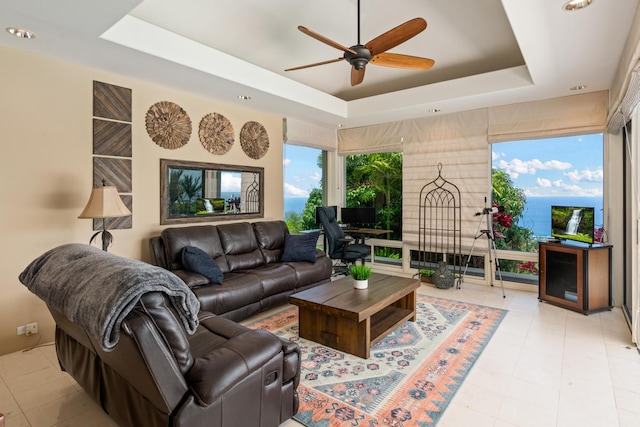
104, 202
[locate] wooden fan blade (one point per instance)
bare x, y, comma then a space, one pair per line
325, 40
396, 60
357, 76
315, 65
397, 35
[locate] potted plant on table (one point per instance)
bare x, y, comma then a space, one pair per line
360, 274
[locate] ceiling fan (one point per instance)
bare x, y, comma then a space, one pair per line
375, 51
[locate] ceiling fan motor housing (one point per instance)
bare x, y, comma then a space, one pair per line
360, 60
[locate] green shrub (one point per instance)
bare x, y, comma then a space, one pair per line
360, 272
427, 273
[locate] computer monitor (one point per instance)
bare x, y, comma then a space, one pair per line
358, 216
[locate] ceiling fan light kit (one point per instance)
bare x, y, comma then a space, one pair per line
375, 51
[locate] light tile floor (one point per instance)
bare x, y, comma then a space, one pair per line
544, 366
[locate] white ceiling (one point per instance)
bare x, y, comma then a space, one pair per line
486, 52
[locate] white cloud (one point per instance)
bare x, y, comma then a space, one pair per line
585, 175
286, 162
495, 155
544, 183
316, 176
230, 182
293, 191
516, 167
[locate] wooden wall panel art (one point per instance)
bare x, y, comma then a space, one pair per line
254, 140
168, 125
111, 138
112, 107
114, 171
111, 101
121, 222
216, 133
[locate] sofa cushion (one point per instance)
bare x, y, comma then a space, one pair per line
300, 247
237, 290
270, 236
240, 246
275, 278
204, 237
307, 273
196, 260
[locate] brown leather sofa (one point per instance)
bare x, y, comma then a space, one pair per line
158, 375
249, 255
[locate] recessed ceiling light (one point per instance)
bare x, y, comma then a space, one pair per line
576, 5
579, 87
244, 97
20, 32
433, 110
340, 125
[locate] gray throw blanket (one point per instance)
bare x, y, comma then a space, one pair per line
96, 289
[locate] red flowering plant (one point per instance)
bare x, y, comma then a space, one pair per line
501, 219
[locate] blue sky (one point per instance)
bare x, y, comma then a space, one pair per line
567, 166
301, 171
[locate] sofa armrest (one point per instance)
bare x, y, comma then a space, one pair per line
190, 278
218, 371
292, 361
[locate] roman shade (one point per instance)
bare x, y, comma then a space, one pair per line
297, 132
459, 142
628, 102
384, 137
568, 115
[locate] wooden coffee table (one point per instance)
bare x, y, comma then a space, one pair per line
352, 320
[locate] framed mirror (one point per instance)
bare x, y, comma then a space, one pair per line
202, 192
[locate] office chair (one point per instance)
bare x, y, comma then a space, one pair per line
340, 247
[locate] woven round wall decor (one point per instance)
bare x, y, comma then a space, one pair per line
168, 125
254, 140
216, 133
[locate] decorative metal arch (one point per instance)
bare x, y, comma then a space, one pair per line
439, 225
252, 203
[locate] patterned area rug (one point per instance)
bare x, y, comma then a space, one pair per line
411, 376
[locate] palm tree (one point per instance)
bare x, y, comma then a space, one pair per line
192, 188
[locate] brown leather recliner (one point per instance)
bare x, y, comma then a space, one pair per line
158, 375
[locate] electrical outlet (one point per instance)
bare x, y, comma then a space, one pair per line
32, 328
21, 330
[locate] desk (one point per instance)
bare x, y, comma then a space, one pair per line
360, 234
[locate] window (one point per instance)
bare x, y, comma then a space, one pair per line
528, 177
303, 185
375, 181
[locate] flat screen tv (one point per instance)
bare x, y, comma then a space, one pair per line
573, 223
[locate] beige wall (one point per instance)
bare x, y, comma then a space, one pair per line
46, 170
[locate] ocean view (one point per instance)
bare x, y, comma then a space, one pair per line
294, 204
537, 213
536, 216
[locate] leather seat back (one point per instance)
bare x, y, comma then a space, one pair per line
270, 236
157, 306
204, 237
240, 246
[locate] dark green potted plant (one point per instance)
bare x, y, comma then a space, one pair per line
426, 275
360, 274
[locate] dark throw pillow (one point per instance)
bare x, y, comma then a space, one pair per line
196, 260
300, 247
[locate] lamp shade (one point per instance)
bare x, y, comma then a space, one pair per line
104, 202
